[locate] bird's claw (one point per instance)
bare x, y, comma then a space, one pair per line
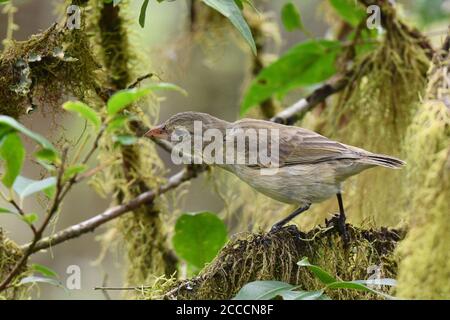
276, 227
338, 221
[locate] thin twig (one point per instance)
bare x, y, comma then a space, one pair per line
142, 78
22, 213
39, 232
114, 212
121, 288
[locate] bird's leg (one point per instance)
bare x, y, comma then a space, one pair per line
341, 220
277, 226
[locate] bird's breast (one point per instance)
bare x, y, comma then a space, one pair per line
297, 184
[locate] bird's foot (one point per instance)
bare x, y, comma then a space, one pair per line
338, 221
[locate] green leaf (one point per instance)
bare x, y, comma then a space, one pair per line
25, 187
231, 10
350, 11
142, 14
378, 282
3, 1
13, 153
321, 274
123, 98
84, 111
71, 171
45, 271
198, 237
290, 16
45, 155
30, 218
357, 285
38, 279
6, 211
262, 290
11, 123
301, 295
125, 140
305, 64
117, 123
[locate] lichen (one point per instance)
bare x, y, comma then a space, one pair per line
44, 69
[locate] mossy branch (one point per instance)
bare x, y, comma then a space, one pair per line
274, 256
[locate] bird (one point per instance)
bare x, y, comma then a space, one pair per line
310, 167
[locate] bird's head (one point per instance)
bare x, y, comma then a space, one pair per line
184, 123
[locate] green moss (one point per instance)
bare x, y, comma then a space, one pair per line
10, 254
374, 112
44, 69
274, 256
136, 168
425, 253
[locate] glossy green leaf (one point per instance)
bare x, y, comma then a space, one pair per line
359, 285
25, 187
71, 171
305, 64
302, 295
290, 16
378, 282
45, 155
13, 154
117, 123
11, 123
30, 218
45, 271
199, 237
121, 99
143, 13
6, 211
350, 11
125, 140
38, 279
262, 290
231, 10
321, 274
84, 111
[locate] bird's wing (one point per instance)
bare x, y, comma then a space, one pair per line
298, 145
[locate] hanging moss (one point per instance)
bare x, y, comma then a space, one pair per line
45, 69
374, 112
137, 167
425, 253
10, 254
274, 256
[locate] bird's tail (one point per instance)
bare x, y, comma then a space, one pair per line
384, 161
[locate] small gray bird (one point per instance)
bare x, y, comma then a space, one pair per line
311, 167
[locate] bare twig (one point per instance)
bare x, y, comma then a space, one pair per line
298, 109
22, 213
121, 288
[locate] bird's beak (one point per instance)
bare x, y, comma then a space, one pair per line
157, 132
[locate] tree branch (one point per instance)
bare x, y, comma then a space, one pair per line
297, 111
39, 232
114, 212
